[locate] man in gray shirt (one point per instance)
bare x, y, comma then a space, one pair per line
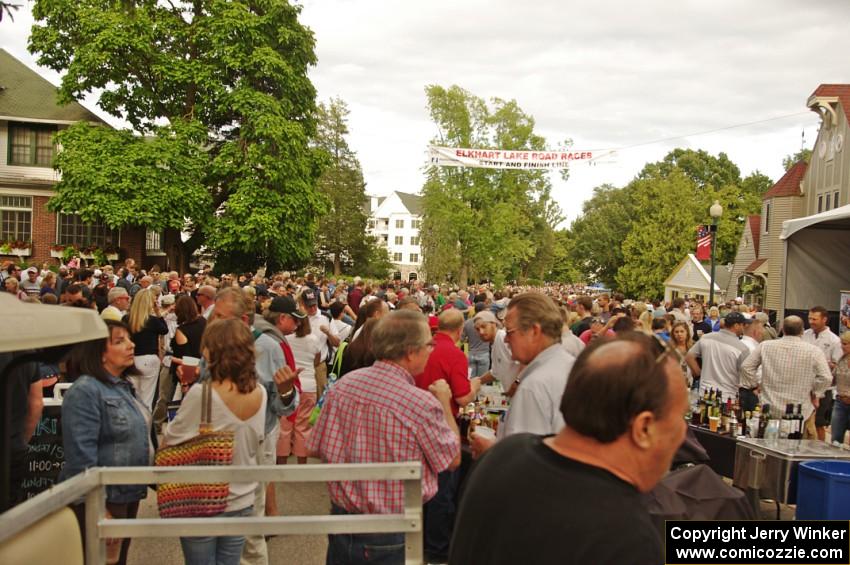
722, 355
533, 330
479, 350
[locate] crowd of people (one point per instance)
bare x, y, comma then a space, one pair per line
349, 371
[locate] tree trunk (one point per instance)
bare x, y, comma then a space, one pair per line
337, 265
463, 276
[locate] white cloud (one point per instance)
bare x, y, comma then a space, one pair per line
606, 74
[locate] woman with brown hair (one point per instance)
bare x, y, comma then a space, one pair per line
238, 405
105, 425
680, 339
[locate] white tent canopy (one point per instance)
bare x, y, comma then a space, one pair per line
30, 326
817, 260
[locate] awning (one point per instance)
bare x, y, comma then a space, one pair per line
838, 218
31, 326
757, 267
817, 252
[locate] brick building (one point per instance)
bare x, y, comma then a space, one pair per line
29, 118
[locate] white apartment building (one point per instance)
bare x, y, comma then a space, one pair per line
395, 221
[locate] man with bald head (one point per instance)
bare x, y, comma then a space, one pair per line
623, 409
447, 363
793, 372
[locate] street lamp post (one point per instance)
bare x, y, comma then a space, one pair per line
715, 212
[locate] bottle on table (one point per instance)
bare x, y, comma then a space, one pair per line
785, 424
763, 419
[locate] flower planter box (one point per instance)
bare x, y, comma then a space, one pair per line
57, 254
19, 251
111, 256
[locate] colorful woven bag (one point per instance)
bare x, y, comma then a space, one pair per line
185, 500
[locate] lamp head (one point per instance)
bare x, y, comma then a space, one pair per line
716, 210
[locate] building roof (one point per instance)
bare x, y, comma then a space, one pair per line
413, 202
691, 274
27, 95
755, 230
789, 184
751, 268
840, 91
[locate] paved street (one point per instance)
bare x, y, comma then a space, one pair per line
294, 499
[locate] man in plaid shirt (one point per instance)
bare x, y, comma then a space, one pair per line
793, 372
378, 415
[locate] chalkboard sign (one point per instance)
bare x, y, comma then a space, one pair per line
46, 456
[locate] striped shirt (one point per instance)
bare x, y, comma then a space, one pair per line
377, 415
791, 371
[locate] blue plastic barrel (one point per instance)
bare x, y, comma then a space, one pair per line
823, 490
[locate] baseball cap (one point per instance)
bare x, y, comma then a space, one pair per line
32, 269
736, 318
485, 317
286, 305
308, 297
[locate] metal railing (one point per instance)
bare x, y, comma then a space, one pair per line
91, 487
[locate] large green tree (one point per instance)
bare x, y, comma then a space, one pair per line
341, 239
597, 235
802, 155
632, 237
222, 109
485, 223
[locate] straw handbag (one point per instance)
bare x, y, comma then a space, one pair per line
185, 500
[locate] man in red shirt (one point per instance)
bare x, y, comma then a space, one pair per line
447, 362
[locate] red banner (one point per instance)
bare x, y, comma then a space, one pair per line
703, 243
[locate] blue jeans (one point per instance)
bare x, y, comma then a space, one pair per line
840, 420
479, 363
357, 549
222, 550
439, 517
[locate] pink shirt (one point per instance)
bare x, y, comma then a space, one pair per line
377, 415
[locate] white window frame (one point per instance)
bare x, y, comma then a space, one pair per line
9, 206
399, 224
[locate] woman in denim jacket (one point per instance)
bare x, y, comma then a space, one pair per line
104, 424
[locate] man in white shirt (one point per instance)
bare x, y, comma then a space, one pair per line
795, 372
320, 327
119, 304
502, 367
822, 337
31, 282
206, 300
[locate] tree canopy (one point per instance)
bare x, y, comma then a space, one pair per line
485, 223
632, 237
341, 239
223, 112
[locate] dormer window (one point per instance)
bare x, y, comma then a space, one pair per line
31, 144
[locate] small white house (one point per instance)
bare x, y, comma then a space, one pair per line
395, 221
691, 279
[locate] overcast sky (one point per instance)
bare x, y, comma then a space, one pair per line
610, 74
